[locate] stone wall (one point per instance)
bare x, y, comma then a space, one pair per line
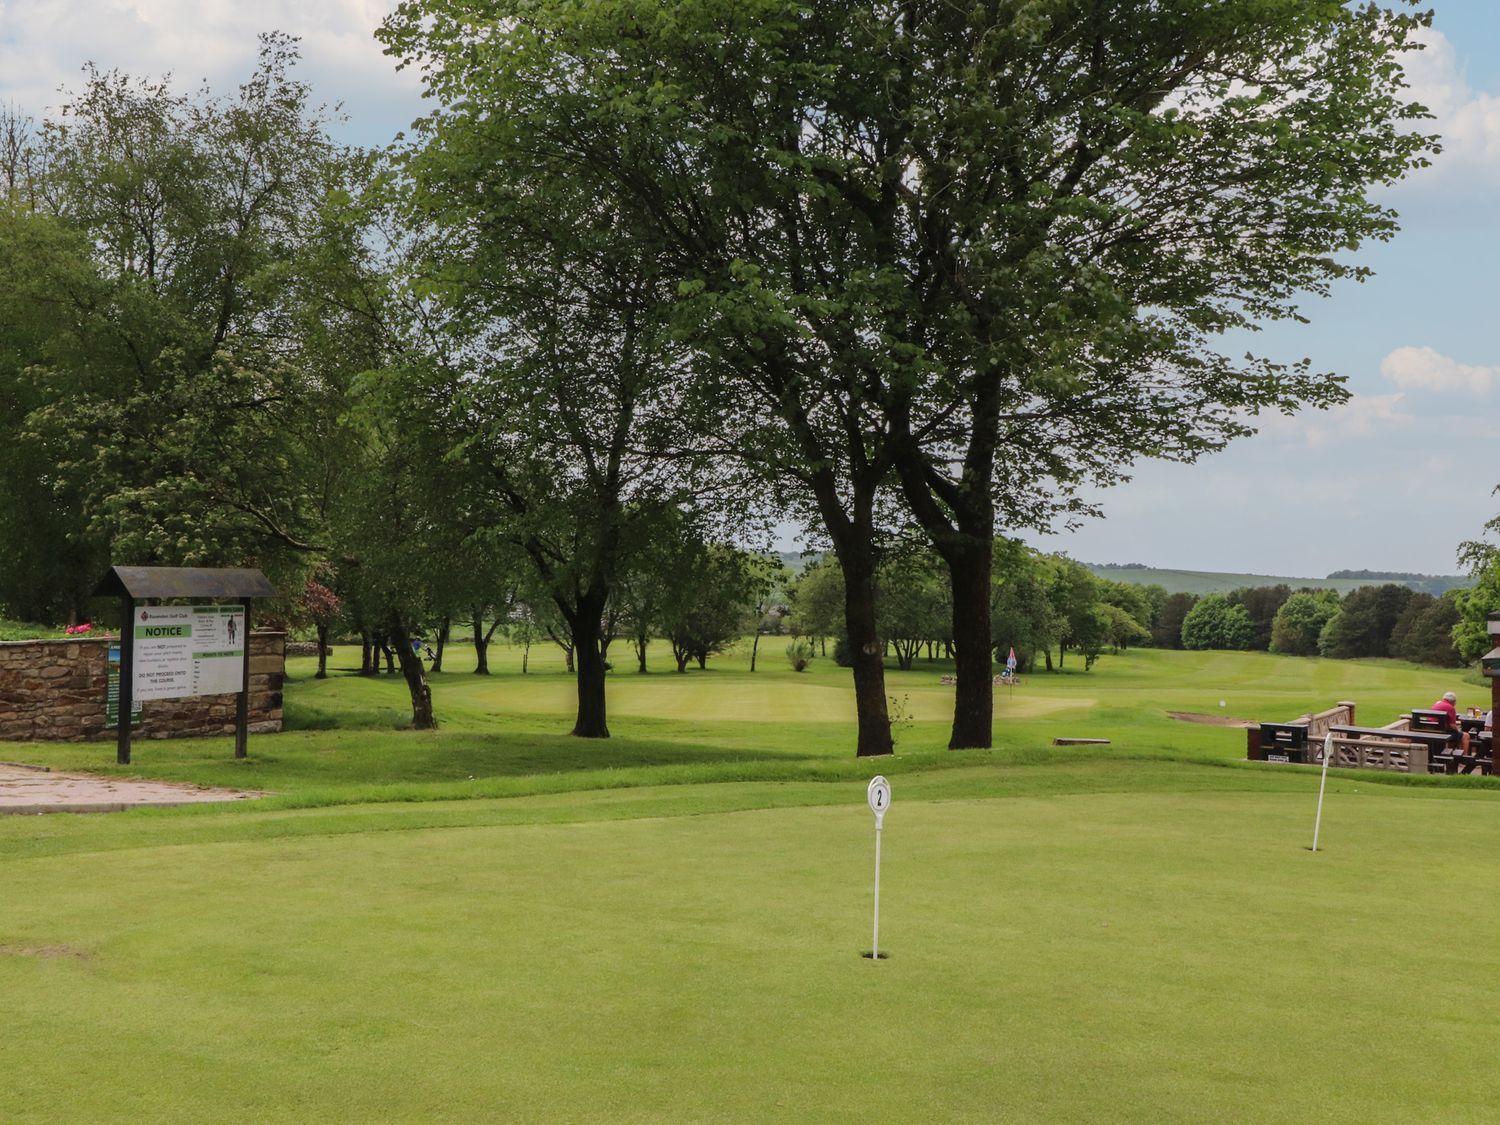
54, 691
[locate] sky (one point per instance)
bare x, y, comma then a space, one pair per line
1394, 479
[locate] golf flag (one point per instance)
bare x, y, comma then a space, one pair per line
1010, 663
1318, 820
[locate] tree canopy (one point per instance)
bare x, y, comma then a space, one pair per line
980, 251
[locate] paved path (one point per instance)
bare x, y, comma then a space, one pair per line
24, 790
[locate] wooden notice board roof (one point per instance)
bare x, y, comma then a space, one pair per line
184, 582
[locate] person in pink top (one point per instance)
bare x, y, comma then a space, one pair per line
1448, 705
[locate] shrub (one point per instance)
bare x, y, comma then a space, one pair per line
1300, 621
1214, 623
800, 653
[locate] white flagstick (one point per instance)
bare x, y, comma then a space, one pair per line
1327, 753
879, 797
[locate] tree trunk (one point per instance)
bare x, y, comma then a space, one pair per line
974, 696
442, 643
481, 645
525, 657
754, 647
586, 621
322, 653
865, 650
416, 679
366, 655
641, 641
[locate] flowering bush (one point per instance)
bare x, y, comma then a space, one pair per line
79, 630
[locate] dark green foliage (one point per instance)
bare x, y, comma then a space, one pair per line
915, 604
1135, 603
1434, 584
184, 396
1364, 622
1261, 604
817, 600
1022, 613
983, 251
1300, 621
1471, 634
718, 593
1214, 623
1166, 631
1423, 633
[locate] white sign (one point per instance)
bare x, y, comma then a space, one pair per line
879, 795
188, 650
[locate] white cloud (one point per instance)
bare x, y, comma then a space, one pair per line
1426, 369
1468, 120
1361, 416
45, 43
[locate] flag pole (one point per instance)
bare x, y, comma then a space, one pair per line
1327, 753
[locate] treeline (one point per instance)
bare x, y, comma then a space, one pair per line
1435, 584
1045, 606
697, 596
617, 300
1385, 620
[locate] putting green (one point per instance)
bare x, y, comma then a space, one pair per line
1125, 957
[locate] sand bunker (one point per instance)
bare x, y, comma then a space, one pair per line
27, 790
1211, 720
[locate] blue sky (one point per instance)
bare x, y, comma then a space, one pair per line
1393, 480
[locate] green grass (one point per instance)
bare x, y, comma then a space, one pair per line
26, 631
505, 735
667, 926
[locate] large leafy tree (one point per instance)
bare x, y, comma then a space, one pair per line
1215, 623
49, 561
1365, 621
1166, 632
185, 393
1023, 616
547, 374
1300, 621
1475, 604
1261, 603
981, 249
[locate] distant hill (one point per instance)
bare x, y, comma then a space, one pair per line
1213, 582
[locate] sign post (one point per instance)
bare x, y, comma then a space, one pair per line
879, 796
178, 651
127, 679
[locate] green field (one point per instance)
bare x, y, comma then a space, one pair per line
495, 921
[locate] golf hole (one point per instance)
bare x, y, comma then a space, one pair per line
872, 957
